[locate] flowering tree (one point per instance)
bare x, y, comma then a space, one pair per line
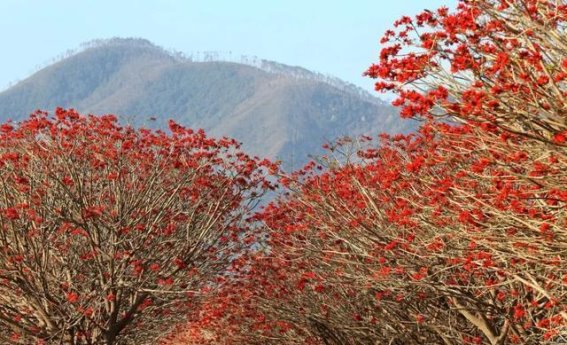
499, 68
426, 242
108, 234
454, 235
491, 62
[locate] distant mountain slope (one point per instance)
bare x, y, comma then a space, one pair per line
276, 110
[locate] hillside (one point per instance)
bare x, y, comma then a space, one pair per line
278, 111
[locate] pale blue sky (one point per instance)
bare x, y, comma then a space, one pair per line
333, 36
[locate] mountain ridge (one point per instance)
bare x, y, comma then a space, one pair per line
276, 110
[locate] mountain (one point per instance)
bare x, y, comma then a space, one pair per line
278, 111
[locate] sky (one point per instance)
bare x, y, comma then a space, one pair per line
335, 37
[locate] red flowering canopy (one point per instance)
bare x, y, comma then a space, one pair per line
108, 233
491, 62
454, 235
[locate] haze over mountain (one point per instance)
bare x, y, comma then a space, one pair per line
277, 111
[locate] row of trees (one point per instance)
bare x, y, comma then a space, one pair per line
455, 234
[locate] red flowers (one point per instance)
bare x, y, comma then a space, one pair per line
93, 212
11, 213
475, 41
72, 297
519, 312
560, 138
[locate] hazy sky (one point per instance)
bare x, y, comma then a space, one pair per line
336, 37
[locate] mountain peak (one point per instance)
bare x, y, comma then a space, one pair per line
120, 42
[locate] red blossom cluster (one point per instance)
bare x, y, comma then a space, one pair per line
491, 62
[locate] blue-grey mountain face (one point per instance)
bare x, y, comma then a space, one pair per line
275, 110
